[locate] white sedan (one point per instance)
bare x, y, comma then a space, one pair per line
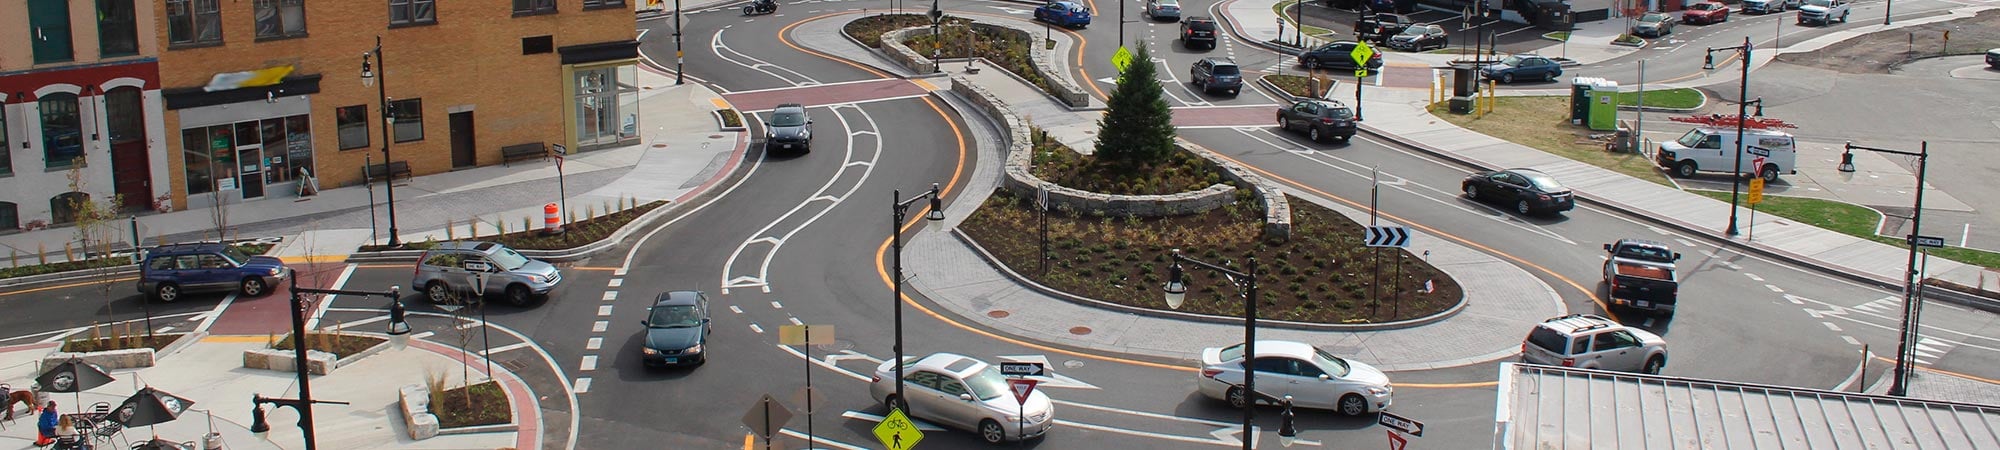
1312, 377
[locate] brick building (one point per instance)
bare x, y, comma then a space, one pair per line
79, 93
261, 94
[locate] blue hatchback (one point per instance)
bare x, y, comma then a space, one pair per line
1064, 13
172, 270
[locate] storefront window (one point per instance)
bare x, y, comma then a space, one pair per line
606, 106
298, 147
195, 161
247, 155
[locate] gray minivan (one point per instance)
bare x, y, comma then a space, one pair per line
447, 271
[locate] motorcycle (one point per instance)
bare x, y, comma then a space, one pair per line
760, 7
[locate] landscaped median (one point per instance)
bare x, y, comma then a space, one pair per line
590, 231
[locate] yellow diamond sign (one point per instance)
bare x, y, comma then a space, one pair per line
897, 432
1121, 59
1362, 53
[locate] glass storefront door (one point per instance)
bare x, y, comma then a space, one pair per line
249, 160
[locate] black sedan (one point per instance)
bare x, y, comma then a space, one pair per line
676, 330
1528, 190
1337, 56
1418, 38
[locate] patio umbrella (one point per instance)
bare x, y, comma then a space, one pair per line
73, 376
149, 406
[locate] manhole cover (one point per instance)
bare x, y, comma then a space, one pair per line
512, 364
1079, 331
997, 314
715, 136
659, 145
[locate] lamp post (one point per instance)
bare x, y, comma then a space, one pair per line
1912, 302
1742, 104
1176, 294
680, 56
305, 401
902, 207
388, 120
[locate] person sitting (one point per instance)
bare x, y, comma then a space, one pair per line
46, 426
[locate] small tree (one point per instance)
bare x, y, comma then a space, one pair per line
1137, 128
96, 227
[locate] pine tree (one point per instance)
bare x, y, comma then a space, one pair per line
1137, 128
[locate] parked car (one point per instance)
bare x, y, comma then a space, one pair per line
1639, 274
1380, 26
1711, 149
1528, 190
1163, 9
1311, 376
1338, 56
1770, 6
1823, 12
1063, 13
1419, 38
962, 392
1523, 67
1594, 342
790, 128
1216, 74
1705, 12
1321, 119
445, 272
676, 330
1993, 58
169, 271
1198, 31
1654, 24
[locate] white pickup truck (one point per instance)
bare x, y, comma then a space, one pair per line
1823, 11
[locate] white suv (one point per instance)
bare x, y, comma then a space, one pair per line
1594, 342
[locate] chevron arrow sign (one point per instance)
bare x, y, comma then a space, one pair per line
1398, 237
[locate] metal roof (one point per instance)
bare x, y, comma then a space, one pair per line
1560, 408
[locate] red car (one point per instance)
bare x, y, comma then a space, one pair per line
1706, 12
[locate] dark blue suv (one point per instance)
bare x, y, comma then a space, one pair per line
172, 270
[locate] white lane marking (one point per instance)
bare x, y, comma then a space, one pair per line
423, 335
589, 363
1774, 288
734, 309
593, 343
490, 351
758, 329
599, 326
822, 440
777, 242
1850, 340
615, 282
620, 272
327, 301
1842, 312
716, 46
795, 321
165, 329
1965, 237
1831, 326
858, 415
603, 310
1753, 277
776, 305
468, 326
581, 385
610, 295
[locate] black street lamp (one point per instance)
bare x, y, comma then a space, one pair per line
388, 121
1742, 115
902, 207
1912, 299
1176, 294
680, 56
397, 328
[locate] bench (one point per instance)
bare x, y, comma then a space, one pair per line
524, 151
390, 170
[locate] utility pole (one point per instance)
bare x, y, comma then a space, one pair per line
680, 56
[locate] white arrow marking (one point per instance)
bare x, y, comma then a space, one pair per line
744, 281
1011, 10
1108, 80
858, 415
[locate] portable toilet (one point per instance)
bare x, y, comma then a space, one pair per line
1579, 98
1603, 105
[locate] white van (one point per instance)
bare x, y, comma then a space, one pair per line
1709, 149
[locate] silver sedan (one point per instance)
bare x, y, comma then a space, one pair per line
961, 392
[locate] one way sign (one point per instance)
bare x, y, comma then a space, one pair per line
1398, 237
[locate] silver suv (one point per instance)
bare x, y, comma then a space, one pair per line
446, 273
1594, 342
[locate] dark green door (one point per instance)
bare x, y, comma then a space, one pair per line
48, 28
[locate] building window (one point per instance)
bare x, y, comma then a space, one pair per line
351, 124
588, 4
404, 12
408, 116
297, 158
126, 115
534, 6
63, 207
194, 22
62, 131
281, 18
117, 29
198, 159
10, 216
606, 106
48, 28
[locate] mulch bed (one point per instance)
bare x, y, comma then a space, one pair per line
488, 406
1324, 274
342, 345
1184, 172
156, 342
1881, 51
577, 234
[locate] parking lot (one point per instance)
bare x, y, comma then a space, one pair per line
1512, 37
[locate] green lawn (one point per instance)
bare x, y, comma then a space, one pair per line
1665, 98
1543, 123
1854, 220
1557, 35
1279, 9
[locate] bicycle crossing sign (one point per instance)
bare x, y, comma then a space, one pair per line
897, 432
1398, 237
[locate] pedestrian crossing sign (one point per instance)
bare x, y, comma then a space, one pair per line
897, 432
1121, 59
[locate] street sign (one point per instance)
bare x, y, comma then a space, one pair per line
1757, 163
1023, 369
1121, 59
937, 15
766, 417
1927, 241
1756, 190
1759, 151
797, 335
1398, 237
897, 432
1362, 53
1021, 387
1360, 73
1397, 442
1400, 423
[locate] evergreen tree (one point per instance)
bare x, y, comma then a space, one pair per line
1137, 128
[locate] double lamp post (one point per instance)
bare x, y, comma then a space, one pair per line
399, 331
1743, 102
1176, 295
901, 207
388, 121
1912, 280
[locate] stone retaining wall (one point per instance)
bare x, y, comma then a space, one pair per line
1023, 182
892, 45
1067, 92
